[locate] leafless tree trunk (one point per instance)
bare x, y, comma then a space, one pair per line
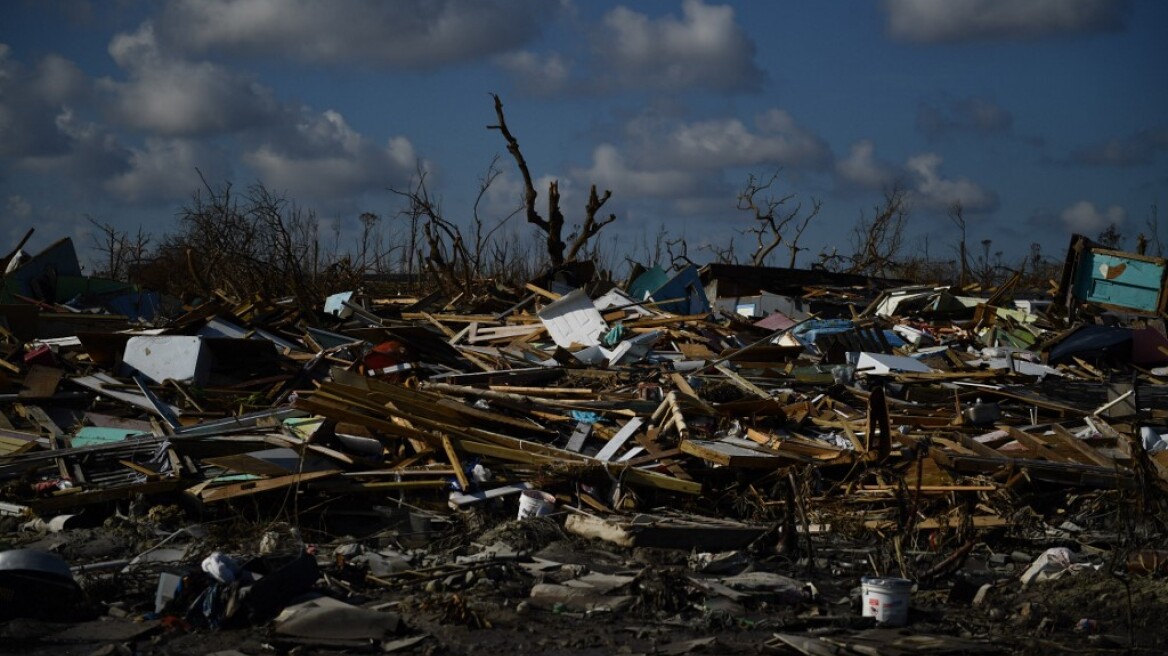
771, 221
957, 216
119, 250
878, 240
552, 227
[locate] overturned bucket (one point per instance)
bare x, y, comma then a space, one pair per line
533, 503
886, 599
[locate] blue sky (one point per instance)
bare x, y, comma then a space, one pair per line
1042, 117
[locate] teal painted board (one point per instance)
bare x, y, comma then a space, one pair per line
93, 435
1110, 278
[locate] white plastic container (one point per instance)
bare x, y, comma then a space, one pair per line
886, 599
533, 503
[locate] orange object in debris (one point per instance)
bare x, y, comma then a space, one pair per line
389, 360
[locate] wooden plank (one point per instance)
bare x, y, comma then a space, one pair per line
40, 382
730, 455
246, 488
37, 415
932, 524
439, 325
1039, 447
742, 383
1093, 457
448, 447
141, 469
542, 292
648, 440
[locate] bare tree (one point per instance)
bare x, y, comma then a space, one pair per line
460, 262
120, 252
957, 216
260, 243
773, 220
552, 226
877, 240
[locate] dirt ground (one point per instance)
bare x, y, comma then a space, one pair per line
490, 611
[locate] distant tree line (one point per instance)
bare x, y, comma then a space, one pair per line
260, 242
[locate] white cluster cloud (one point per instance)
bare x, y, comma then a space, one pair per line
931, 190
411, 34
610, 170
322, 156
704, 48
920, 176
166, 169
776, 141
1083, 217
862, 170
166, 95
933, 21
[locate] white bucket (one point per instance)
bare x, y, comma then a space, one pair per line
886, 599
533, 503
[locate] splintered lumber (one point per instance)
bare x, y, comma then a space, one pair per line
380, 403
75, 498
741, 382
40, 382
1039, 447
702, 533
730, 455
798, 448
1063, 436
14, 442
246, 488
648, 441
1064, 473
678, 417
448, 447
933, 523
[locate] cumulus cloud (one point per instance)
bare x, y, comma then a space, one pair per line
322, 156
932, 21
610, 170
1084, 218
165, 169
976, 115
932, 191
774, 140
1139, 149
703, 48
412, 34
169, 96
861, 169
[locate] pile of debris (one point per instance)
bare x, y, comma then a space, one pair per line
722, 459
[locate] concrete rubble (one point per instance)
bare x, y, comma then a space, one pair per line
707, 460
